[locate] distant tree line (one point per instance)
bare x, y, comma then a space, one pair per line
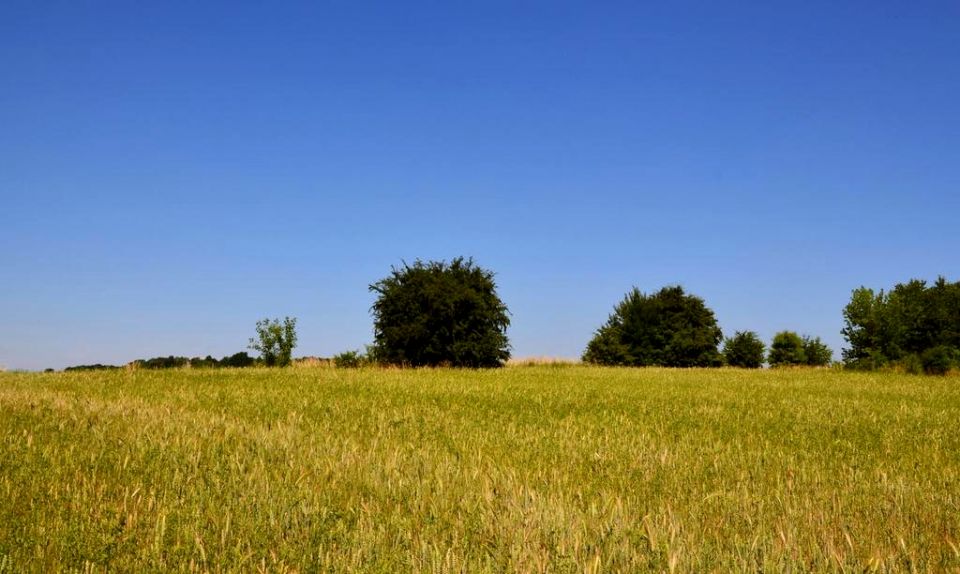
236, 360
449, 314
94, 367
671, 328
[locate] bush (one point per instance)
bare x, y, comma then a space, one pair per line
939, 360
170, 362
431, 314
237, 360
911, 364
816, 352
207, 362
744, 349
870, 361
349, 360
95, 367
668, 328
786, 349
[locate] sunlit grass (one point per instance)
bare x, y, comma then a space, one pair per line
541, 468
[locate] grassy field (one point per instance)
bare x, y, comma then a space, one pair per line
555, 469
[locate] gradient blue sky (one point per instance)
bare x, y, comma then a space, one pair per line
172, 171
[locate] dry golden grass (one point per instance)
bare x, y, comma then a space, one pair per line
539, 469
541, 361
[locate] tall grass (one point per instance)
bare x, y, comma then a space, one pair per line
578, 469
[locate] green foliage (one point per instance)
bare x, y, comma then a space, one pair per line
863, 329
95, 367
434, 313
786, 350
241, 359
170, 362
608, 346
275, 341
939, 360
668, 328
899, 327
207, 362
349, 360
816, 352
237, 360
744, 349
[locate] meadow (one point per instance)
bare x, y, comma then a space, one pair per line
523, 469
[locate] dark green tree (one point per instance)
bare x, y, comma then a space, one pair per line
275, 341
786, 349
237, 360
816, 352
863, 327
902, 326
744, 349
434, 313
939, 360
668, 328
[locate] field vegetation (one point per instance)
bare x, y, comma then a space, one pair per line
537, 468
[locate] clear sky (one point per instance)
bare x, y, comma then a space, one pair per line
170, 172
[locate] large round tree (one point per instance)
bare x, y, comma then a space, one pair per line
434, 313
668, 328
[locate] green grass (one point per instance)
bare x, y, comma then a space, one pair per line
559, 469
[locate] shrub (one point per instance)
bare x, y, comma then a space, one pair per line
744, 349
911, 364
237, 360
939, 360
786, 349
430, 314
207, 362
170, 362
95, 367
668, 328
349, 360
816, 352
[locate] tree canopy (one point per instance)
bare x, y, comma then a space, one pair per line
668, 328
275, 341
903, 326
744, 349
816, 352
435, 313
786, 349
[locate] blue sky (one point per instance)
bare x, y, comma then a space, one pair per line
172, 172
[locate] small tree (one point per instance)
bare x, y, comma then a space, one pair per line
275, 341
744, 349
816, 352
668, 328
430, 314
786, 349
